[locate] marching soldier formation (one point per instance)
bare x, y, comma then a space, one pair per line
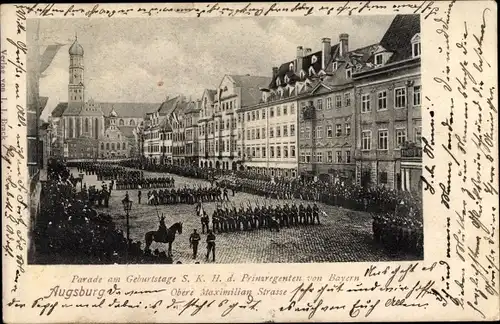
145, 183
186, 195
230, 219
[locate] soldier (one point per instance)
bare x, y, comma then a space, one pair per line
139, 195
194, 239
211, 245
302, 214
226, 197
315, 214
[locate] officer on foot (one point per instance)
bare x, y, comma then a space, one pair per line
194, 239
211, 245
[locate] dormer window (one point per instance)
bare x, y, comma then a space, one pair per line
302, 74
314, 59
311, 71
334, 66
415, 45
379, 59
290, 67
287, 79
348, 73
278, 82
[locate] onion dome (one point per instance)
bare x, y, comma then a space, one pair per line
76, 49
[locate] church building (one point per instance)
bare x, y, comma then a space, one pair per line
94, 130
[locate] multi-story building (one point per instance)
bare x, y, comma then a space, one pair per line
220, 142
157, 132
326, 119
191, 116
205, 135
388, 113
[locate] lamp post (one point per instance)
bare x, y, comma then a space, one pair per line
127, 206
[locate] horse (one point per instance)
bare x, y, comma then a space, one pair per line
167, 237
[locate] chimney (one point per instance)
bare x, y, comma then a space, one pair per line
326, 48
275, 72
344, 44
300, 58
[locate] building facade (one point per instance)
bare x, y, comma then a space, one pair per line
206, 146
95, 130
388, 112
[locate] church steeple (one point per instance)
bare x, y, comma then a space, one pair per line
76, 87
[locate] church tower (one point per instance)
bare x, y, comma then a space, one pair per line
76, 88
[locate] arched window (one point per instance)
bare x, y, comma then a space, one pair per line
86, 125
70, 128
96, 128
102, 146
112, 146
124, 146
132, 122
121, 122
107, 146
118, 146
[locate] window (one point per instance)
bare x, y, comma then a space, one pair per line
102, 146
338, 101
257, 133
278, 151
278, 111
348, 129
329, 131
292, 109
253, 115
416, 49
400, 97
257, 152
271, 132
302, 132
264, 113
348, 73
253, 151
338, 155
107, 146
347, 99
278, 131
263, 133
366, 140
383, 136
378, 59
382, 100
257, 115
292, 130
302, 157
271, 151
319, 131
285, 110
365, 103
348, 157
383, 177
334, 66
253, 134
308, 157
329, 103
329, 156
285, 130
292, 151
417, 96
319, 157
285, 151
338, 130
319, 104
400, 136
121, 122
248, 134
418, 135
271, 112
248, 116
263, 151
118, 146
308, 132
112, 146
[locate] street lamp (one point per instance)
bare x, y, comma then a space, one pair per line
127, 206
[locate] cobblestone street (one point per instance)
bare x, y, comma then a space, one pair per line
343, 236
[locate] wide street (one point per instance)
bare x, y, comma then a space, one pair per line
343, 236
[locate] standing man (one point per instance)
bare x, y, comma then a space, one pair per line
226, 197
139, 195
194, 239
211, 245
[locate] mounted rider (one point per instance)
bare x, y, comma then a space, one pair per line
161, 234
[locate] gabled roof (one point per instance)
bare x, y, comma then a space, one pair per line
210, 94
250, 88
128, 109
397, 38
167, 106
59, 110
73, 109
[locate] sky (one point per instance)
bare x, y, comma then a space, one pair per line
146, 60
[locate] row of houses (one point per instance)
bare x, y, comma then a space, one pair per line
336, 113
